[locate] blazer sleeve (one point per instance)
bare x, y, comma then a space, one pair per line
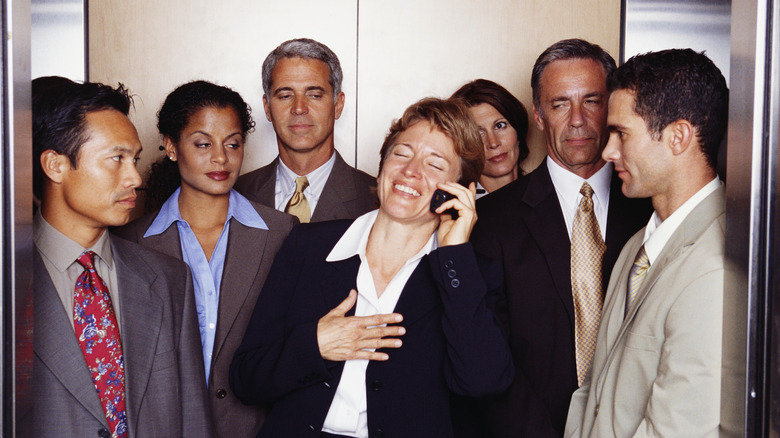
277, 356
478, 361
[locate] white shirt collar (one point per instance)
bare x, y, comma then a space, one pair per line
285, 183
567, 187
657, 233
355, 240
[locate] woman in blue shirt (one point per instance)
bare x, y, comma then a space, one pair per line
228, 241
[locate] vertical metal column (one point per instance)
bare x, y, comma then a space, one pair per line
750, 396
15, 214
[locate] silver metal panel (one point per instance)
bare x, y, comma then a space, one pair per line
664, 24
16, 214
750, 338
59, 38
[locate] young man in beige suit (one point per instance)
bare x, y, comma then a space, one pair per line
656, 369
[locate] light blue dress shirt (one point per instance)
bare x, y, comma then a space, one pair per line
206, 274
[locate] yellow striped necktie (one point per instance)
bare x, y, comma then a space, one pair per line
637, 276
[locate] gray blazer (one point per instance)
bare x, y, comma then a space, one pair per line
164, 390
348, 192
250, 253
656, 372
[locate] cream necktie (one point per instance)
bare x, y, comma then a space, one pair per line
298, 205
587, 253
636, 276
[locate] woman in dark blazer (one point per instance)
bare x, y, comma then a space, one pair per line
228, 242
365, 327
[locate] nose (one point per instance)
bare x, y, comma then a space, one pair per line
299, 106
412, 168
492, 141
576, 118
218, 155
611, 151
132, 177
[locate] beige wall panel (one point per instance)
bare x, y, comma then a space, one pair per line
411, 49
406, 50
153, 46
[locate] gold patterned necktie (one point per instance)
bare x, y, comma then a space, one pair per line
298, 205
637, 276
587, 253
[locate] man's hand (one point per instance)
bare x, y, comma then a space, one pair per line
348, 337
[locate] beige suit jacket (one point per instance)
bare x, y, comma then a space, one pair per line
656, 371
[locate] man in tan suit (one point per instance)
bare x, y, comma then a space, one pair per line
656, 369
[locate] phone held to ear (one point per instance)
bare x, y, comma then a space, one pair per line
439, 198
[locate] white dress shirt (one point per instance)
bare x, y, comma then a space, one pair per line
348, 412
657, 233
567, 187
285, 184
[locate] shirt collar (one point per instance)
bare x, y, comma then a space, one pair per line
239, 208
568, 184
61, 250
316, 178
355, 239
658, 232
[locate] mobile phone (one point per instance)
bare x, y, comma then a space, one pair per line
439, 198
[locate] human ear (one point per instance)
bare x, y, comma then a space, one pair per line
267, 109
681, 136
54, 165
538, 118
339, 104
170, 148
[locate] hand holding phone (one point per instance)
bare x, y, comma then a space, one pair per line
439, 198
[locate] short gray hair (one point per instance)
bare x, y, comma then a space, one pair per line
573, 48
305, 48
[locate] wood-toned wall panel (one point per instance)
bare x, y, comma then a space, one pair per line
152, 47
392, 54
410, 49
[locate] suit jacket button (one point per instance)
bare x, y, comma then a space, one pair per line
221, 393
455, 282
379, 433
376, 385
104, 433
448, 264
451, 273
596, 412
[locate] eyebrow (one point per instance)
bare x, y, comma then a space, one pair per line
615, 127
124, 150
310, 88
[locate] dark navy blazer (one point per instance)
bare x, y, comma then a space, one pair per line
453, 341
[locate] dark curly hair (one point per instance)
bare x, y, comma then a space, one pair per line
482, 91
174, 115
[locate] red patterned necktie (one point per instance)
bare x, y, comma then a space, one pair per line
98, 334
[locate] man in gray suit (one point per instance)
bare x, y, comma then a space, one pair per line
116, 342
656, 369
303, 99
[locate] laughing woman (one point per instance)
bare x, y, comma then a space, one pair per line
366, 327
228, 242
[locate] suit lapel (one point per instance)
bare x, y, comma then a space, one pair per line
266, 192
545, 223
336, 284
338, 190
167, 242
246, 245
56, 346
689, 231
419, 295
141, 319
